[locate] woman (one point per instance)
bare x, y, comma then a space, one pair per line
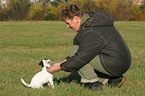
99, 55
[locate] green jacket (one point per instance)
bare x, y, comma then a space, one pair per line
98, 36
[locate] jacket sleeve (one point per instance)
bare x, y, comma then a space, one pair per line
91, 43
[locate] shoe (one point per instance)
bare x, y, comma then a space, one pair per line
116, 81
94, 86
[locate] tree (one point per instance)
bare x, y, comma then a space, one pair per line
118, 9
51, 13
17, 9
0, 11
139, 13
0, 5
44, 2
36, 12
79, 2
89, 6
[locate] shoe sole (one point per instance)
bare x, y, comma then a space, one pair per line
121, 83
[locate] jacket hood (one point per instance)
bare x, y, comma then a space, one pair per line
99, 19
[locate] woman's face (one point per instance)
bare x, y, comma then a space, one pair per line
73, 24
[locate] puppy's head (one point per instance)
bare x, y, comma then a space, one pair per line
45, 63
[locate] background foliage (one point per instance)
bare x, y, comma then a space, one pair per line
47, 10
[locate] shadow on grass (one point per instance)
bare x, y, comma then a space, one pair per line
73, 77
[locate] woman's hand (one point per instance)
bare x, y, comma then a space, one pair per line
54, 68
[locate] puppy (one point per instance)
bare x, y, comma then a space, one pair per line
41, 77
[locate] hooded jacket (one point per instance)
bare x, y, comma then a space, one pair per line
98, 36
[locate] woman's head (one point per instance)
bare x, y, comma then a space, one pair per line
69, 11
71, 15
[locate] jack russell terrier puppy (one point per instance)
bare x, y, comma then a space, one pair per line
41, 77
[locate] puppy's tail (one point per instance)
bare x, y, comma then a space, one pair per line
28, 85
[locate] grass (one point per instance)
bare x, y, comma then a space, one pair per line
23, 44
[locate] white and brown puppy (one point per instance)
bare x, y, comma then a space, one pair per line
41, 77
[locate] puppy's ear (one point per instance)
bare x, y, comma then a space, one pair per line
46, 59
41, 63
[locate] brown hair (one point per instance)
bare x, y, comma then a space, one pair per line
69, 11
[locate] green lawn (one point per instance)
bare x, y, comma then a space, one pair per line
24, 44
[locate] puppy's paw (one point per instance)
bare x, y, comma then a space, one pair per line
48, 84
